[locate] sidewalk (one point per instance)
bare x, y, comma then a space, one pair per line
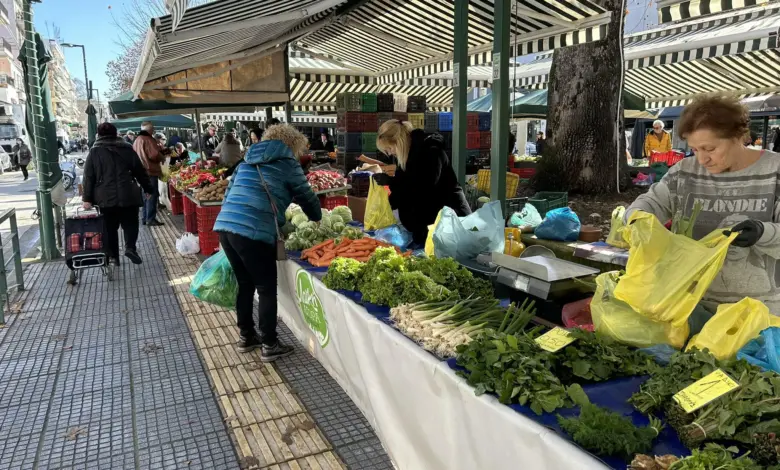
138, 374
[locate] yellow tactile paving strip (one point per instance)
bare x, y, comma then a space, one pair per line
268, 424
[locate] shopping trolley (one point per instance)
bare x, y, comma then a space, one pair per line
85, 243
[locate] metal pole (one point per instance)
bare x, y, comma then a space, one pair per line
288, 113
765, 134
17, 253
43, 196
197, 129
459, 78
86, 77
3, 285
500, 124
269, 114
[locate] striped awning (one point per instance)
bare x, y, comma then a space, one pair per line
400, 40
676, 10
176, 9
221, 118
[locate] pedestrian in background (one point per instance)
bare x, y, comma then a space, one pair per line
23, 156
657, 141
150, 153
210, 141
255, 135
229, 150
112, 174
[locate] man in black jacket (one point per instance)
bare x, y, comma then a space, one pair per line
112, 174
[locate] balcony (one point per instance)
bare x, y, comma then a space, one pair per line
6, 81
3, 15
7, 47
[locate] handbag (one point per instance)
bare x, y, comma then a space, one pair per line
281, 253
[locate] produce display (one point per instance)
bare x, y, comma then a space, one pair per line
440, 327
303, 234
711, 457
212, 192
321, 180
359, 249
196, 176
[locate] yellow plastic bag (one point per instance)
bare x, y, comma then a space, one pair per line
615, 237
616, 319
733, 326
379, 214
429, 249
667, 274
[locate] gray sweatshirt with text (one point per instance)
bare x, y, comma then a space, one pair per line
727, 199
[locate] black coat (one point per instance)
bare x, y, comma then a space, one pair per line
776, 144
426, 185
112, 174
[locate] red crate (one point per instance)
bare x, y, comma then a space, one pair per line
350, 121
472, 140
524, 173
177, 205
190, 222
172, 191
472, 122
189, 206
670, 158
330, 202
484, 140
370, 122
209, 239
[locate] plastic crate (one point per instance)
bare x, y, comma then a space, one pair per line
472, 122
416, 104
360, 184
349, 102
447, 136
350, 141
431, 122
472, 140
514, 205
209, 239
368, 103
401, 116
417, 120
330, 202
485, 120
524, 173
484, 139
399, 102
445, 122
177, 205
190, 222
484, 156
348, 161
384, 102
188, 206
545, 201
382, 117
512, 182
670, 158
350, 121
369, 142
370, 122
472, 157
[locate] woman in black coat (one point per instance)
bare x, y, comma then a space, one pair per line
112, 174
424, 180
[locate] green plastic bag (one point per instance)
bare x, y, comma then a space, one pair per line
215, 282
528, 217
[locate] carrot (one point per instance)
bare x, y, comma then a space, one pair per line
362, 259
328, 256
322, 245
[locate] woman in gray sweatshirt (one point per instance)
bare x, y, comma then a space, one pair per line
738, 189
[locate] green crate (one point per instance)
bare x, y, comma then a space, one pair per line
369, 141
349, 101
368, 102
545, 201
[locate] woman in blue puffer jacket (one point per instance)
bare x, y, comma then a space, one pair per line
248, 231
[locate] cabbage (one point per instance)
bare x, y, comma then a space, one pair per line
344, 212
338, 227
292, 209
299, 219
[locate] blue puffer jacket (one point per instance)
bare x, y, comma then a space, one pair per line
246, 210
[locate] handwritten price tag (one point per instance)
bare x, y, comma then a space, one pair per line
704, 390
555, 339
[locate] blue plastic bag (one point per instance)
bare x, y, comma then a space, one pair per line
763, 351
215, 282
394, 235
464, 238
559, 224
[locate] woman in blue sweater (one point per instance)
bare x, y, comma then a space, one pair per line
248, 225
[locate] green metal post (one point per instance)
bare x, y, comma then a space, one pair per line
459, 83
49, 249
288, 113
269, 114
500, 126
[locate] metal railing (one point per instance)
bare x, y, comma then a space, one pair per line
10, 215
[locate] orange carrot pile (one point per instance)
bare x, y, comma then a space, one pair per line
360, 250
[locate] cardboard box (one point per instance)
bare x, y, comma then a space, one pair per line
358, 207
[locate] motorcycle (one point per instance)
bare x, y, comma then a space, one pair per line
68, 174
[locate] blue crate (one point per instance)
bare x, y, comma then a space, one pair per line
431, 122
349, 141
445, 122
485, 121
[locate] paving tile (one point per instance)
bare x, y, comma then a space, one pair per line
95, 338
10, 350
102, 322
98, 356
43, 330
206, 452
73, 443
182, 421
45, 315
25, 391
161, 366
25, 367
143, 348
244, 377
156, 329
18, 452
259, 405
365, 455
91, 406
22, 420
97, 307
323, 461
93, 379
280, 440
169, 392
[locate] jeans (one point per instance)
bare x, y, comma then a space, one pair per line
150, 205
254, 264
24, 171
113, 218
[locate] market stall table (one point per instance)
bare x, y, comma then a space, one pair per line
425, 414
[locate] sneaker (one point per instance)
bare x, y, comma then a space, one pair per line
143, 222
247, 344
275, 351
113, 262
154, 223
133, 256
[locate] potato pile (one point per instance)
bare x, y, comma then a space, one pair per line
212, 192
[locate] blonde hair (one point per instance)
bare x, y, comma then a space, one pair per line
290, 136
398, 135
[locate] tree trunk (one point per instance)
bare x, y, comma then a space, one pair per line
584, 105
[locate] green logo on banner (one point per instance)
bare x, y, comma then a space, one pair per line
309, 302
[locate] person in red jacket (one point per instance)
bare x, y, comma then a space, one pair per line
150, 153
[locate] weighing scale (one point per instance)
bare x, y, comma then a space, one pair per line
540, 276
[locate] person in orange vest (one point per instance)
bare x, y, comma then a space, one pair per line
657, 141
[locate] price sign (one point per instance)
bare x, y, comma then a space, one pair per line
456, 75
496, 65
555, 339
704, 390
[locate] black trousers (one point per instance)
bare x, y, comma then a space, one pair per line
254, 263
127, 218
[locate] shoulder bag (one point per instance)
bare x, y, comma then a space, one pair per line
281, 253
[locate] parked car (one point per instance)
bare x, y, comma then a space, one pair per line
5, 161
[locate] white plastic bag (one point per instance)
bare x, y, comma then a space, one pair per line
464, 238
188, 244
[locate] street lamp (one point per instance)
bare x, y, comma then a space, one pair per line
84, 56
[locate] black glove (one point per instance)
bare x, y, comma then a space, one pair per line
382, 179
750, 232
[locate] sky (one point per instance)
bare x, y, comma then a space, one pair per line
86, 22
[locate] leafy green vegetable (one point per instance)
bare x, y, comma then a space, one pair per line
604, 432
386, 281
344, 212
453, 276
415, 286
594, 357
343, 273
715, 457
